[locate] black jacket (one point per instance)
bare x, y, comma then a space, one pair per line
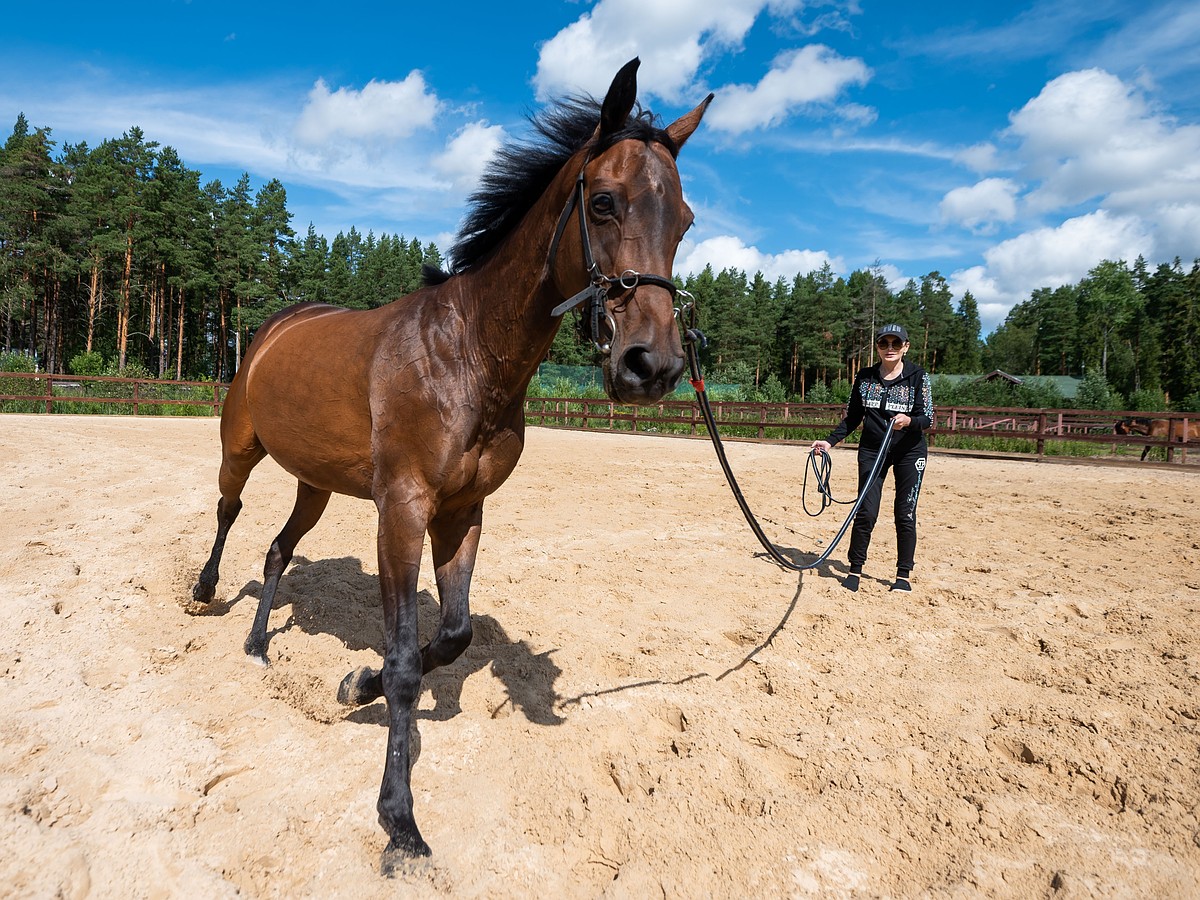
874, 402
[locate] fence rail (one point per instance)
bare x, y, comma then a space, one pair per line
1033, 431
98, 394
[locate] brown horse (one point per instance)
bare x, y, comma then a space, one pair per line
1157, 428
418, 405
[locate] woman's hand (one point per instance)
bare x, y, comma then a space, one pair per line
819, 447
901, 421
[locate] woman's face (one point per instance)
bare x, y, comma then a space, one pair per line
891, 348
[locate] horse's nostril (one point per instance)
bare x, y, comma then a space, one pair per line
643, 365
638, 362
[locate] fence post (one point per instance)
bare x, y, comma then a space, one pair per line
1041, 440
1171, 432
49, 395
136, 394
216, 400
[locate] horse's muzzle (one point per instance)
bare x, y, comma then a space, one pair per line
643, 375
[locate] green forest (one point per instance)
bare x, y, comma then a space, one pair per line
118, 259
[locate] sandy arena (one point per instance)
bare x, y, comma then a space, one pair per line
649, 708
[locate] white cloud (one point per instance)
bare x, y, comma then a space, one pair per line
982, 157
387, 110
1177, 232
814, 74
982, 204
729, 252
1163, 36
672, 37
467, 153
1089, 135
1049, 257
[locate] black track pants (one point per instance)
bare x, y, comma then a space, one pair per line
909, 467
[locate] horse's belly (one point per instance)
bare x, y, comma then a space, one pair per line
306, 390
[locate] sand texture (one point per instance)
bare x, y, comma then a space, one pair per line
649, 708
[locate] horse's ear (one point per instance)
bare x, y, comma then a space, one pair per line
681, 129
619, 100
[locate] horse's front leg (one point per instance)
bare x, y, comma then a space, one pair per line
454, 538
401, 535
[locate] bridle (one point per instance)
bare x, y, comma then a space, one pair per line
595, 295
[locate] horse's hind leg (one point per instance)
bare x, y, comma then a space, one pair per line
206, 585
238, 459
310, 504
455, 542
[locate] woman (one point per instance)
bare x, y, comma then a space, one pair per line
892, 394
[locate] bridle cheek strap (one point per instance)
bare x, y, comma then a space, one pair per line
596, 293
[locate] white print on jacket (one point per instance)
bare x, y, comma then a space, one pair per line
894, 398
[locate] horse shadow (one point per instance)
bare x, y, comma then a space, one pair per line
336, 597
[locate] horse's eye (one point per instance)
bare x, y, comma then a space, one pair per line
602, 204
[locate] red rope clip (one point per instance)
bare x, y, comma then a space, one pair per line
698, 384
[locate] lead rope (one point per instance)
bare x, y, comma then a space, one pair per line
819, 466
694, 338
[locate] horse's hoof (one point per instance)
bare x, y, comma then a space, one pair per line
202, 598
256, 651
354, 689
404, 856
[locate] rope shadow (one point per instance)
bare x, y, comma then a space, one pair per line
653, 682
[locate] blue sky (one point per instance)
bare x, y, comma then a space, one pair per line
1009, 146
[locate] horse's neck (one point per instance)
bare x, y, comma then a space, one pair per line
507, 299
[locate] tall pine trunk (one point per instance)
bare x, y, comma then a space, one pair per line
126, 290
95, 301
179, 345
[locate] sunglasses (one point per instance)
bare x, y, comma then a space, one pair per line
887, 343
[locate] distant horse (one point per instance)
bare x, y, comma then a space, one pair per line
1157, 428
418, 405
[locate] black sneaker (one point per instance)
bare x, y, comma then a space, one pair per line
901, 585
851, 582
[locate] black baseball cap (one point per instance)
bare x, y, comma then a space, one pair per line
888, 330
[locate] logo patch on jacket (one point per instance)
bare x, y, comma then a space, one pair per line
872, 394
900, 398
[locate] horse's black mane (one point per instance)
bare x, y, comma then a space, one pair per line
521, 171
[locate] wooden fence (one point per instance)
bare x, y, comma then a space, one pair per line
39, 392
1027, 431
1031, 431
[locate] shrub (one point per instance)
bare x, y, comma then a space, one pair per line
1147, 400
1096, 393
90, 363
19, 362
16, 361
